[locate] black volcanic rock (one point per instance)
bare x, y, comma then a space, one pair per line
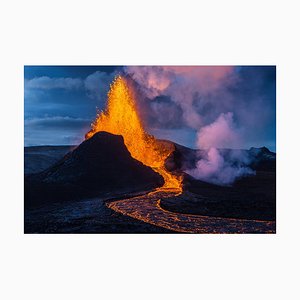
184, 158
263, 159
100, 165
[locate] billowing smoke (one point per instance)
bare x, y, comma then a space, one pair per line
188, 87
204, 97
222, 133
221, 167
214, 168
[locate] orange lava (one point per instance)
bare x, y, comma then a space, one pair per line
121, 117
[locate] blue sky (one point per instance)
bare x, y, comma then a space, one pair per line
60, 102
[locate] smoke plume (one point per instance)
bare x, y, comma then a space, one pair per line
186, 86
221, 167
204, 97
215, 169
222, 133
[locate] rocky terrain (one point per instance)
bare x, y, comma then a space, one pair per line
68, 189
250, 197
100, 166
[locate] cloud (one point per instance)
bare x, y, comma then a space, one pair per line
59, 110
47, 83
168, 80
183, 84
97, 84
203, 93
56, 121
222, 133
58, 130
214, 168
164, 113
173, 97
223, 104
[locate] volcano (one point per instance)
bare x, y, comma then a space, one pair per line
122, 169
100, 165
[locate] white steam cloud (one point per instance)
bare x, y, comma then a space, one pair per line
182, 84
195, 89
222, 133
214, 168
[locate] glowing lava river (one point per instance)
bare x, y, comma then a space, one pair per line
121, 117
147, 208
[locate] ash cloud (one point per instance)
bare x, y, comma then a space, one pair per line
204, 93
183, 85
164, 113
229, 107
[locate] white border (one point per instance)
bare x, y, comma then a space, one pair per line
149, 266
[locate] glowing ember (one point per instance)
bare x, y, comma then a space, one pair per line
121, 117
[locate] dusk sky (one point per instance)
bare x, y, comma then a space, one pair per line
199, 107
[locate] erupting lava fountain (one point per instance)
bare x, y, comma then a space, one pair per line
121, 117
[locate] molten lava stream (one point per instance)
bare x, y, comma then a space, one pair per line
121, 118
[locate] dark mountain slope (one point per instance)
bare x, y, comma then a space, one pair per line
101, 165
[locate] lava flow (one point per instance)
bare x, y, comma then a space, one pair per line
121, 118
